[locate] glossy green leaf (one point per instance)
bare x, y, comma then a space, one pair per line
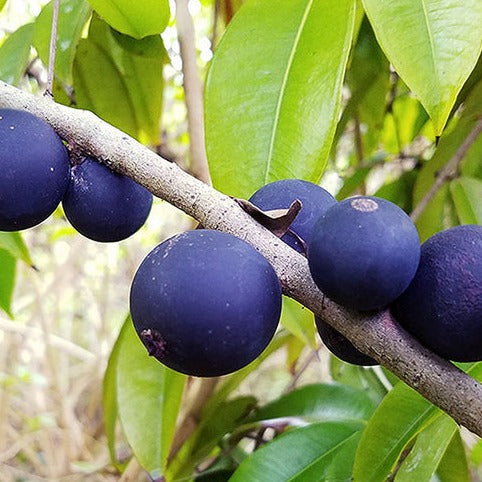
428, 450
209, 433
118, 84
436, 217
454, 466
8, 265
303, 454
433, 45
15, 54
148, 397
273, 92
15, 245
109, 393
180, 466
400, 191
73, 15
467, 196
401, 415
319, 402
298, 320
362, 378
137, 19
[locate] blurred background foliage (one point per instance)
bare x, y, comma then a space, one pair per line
67, 376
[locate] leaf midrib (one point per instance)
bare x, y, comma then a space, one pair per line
432, 45
283, 88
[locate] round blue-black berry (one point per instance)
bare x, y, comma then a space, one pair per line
281, 194
205, 303
34, 170
442, 307
104, 205
364, 252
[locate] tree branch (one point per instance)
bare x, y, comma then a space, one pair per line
376, 334
193, 92
448, 171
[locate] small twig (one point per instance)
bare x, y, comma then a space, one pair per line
53, 50
193, 416
309, 359
448, 171
193, 92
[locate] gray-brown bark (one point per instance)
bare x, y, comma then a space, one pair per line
376, 335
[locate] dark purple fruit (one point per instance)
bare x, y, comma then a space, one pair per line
442, 307
34, 170
103, 205
281, 194
341, 346
205, 303
364, 252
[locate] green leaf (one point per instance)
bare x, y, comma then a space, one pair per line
148, 397
73, 15
109, 393
15, 245
299, 321
319, 402
428, 450
2, 3
433, 45
467, 195
273, 92
137, 19
435, 217
119, 84
400, 191
209, 433
353, 182
180, 466
8, 265
307, 453
401, 415
362, 378
15, 54
454, 467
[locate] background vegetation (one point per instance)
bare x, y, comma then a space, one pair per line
306, 89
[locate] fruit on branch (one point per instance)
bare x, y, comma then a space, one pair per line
205, 303
34, 170
442, 307
281, 194
364, 252
103, 205
341, 346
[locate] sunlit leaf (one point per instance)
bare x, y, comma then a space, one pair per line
327, 402
322, 451
148, 397
401, 415
120, 84
73, 14
15, 245
137, 19
428, 450
8, 265
454, 466
433, 45
298, 320
15, 54
467, 196
273, 92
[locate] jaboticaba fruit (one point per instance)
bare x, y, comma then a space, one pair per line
34, 170
103, 205
442, 307
281, 194
205, 303
364, 252
341, 346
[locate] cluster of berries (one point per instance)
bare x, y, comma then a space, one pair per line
36, 175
